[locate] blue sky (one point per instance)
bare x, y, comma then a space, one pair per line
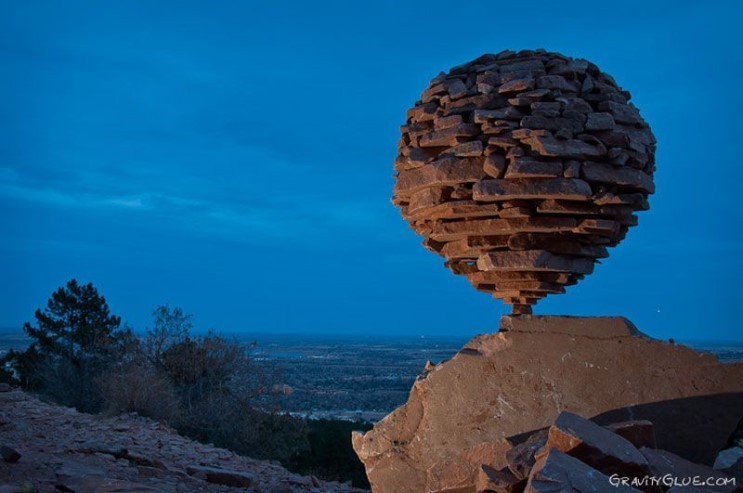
235, 159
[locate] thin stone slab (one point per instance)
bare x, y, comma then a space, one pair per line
448, 171
526, 167
472, 246
538, 260
569, 149
552, 206
457, 210
596, 446
447, 231
450, 136
507, 113
530, 286
597, 226
556, 244
494, 277
471, 148
423, 199
636, 201
558, 188
619, 175
598, 327
516, 212
518, 298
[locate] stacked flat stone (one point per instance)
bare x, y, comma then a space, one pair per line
521, 169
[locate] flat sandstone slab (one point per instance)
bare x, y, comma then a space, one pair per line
601, 327
557, 188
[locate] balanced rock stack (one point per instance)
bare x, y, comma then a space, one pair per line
521, 169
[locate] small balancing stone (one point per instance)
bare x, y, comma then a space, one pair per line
521, 169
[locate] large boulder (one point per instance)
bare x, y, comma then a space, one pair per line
505, 385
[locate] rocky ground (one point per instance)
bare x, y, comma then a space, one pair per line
61, 449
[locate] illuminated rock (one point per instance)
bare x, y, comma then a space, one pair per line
529, 142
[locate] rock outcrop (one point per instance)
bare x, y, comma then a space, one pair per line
53, 449
521, 169
581, 456
501, 386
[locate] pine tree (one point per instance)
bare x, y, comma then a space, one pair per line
74, 340
76, 323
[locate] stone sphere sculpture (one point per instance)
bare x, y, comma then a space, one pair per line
520, 169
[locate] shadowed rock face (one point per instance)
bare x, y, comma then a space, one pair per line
505, 384
521, 169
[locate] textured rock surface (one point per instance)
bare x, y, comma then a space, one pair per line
532, 143
595, 446
61, 448
557, 471
506, 384
521, 457
663, 463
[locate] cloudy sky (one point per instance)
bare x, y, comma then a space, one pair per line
235, 158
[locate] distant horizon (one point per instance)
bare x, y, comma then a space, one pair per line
346, 336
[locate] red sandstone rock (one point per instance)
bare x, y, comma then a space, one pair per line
495, 165
526, 167
439, 173
556, 134
520, 379
559, 245
595, 446
459, 474
534, 260
472, 246
627, 177
426, 198
570, 149
454, 230
558, 188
